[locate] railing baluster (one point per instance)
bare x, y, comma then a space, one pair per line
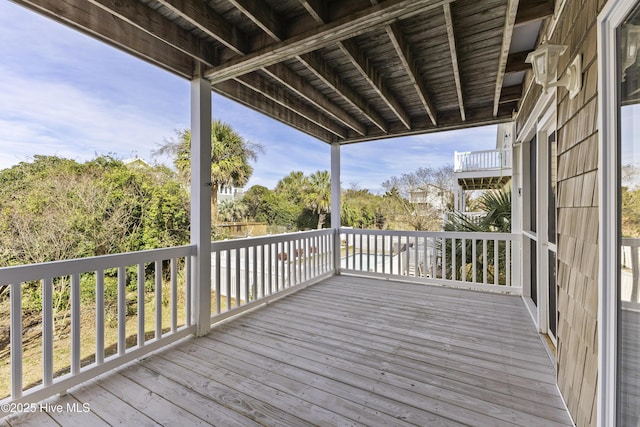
15, 336
262, 270
454, 265
507, 262
187, 296
463, 253
248, 286
122, 310
238, 277
361, 264
174, 294
47, 331
484, 261
473, 260
218, 284
100, 317
228, 278
158, 299
496, 254
444, 257
75, 324
141, 337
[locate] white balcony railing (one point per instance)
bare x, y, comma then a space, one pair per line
471, 260
125, 280
472, 161
250, 271
152, 291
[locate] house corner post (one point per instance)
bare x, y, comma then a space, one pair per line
201, 203
335, 203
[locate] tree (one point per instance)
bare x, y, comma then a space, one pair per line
230, 157
317, 195
420, 198
232, 210
293, 187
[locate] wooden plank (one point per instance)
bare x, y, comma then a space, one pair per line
532, 10
317, 9
511, 94
298, 85
321, 36
150, 21
74, 413
90, 19
409, 63
509, 23
515, 62
186, 398
314, 62
197, 13
257, 102
263, 16
454, 58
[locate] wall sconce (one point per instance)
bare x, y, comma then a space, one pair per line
629, 40
544, 61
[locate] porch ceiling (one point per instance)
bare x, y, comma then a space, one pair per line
339, 71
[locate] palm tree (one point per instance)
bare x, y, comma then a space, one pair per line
230, 156
232, 210
317, 195
497, 218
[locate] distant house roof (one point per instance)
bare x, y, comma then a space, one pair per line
136, 163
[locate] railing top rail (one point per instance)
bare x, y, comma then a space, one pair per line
221, 245
30, 272
467, 153
434, 234
634, 242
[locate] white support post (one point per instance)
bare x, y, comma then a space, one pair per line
201, 203
335, 202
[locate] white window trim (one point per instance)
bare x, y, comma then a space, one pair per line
609, 20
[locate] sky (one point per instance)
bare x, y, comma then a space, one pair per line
64, 93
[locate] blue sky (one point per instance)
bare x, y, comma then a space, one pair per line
63, 93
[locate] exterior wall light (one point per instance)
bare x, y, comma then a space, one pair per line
544, 61
630, 39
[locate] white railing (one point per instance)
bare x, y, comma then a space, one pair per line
450, 258
130, 281
247, 272
482, 160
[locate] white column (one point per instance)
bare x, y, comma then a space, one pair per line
335, 202
201, 203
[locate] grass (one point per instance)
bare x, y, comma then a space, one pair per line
32, 335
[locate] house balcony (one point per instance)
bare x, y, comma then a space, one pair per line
483, 170
371, 328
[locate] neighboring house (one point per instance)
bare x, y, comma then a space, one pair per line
226, 193
346, 72
430, 195
137, 163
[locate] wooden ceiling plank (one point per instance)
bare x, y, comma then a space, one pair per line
371, 75
454, 58
297, 84
252, 99
315, 64
317, 9
533, 10
209, 21
257, 83
515, 62
323, 35
509, 23
263, 16
150, 21
511, 94
94, 20
411, 69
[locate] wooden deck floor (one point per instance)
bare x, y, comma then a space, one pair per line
347, 351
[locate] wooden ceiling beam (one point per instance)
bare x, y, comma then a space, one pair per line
317, 9
94, 20
317, 66
263, 16
511, 94
150, 21
207, 20
509, 23
323, 35
257, 83
256, 101
515, 62
532, 10
298, 85
411, 69
454, 58
371, 75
